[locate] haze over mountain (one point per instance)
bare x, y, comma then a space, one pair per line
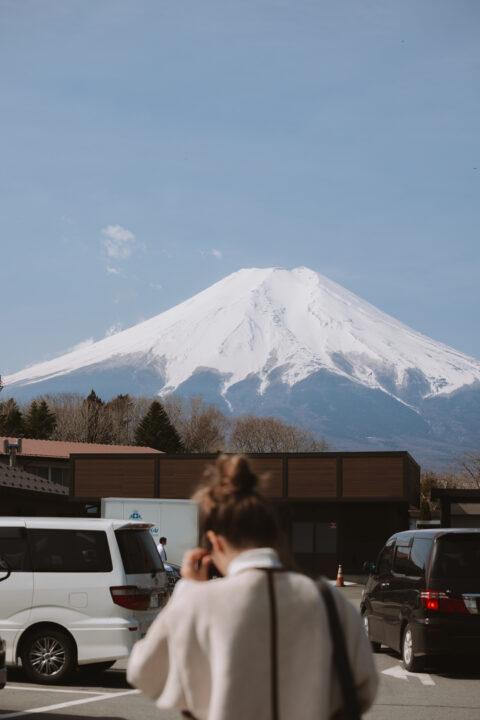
294, 344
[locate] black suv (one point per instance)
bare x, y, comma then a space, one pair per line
4, 575
423, 595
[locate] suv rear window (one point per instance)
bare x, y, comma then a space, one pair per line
69, 551
457, 556
419, 554
139, 552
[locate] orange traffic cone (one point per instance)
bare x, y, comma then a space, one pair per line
340, 581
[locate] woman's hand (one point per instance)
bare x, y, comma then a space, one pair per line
195, 565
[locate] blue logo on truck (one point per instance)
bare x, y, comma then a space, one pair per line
135, 515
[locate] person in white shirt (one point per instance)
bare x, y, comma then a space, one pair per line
256, 643
161, 547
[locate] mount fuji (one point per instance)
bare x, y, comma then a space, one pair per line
291, 343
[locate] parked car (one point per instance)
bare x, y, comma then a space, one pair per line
423, 595
173, 575
3, 667
4, 575
79, 594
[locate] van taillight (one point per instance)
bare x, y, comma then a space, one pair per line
441, 602
131, 597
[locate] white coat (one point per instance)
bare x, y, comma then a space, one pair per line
162, 552
209, 650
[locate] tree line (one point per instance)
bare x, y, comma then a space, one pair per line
173, 424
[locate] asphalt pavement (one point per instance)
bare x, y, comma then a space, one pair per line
447, 692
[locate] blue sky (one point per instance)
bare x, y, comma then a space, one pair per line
149, 148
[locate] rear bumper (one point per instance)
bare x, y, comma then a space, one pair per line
438, 637
113, 641
105, 644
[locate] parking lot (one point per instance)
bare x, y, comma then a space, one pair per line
448, 691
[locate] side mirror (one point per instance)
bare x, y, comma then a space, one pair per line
5, 571
369, 567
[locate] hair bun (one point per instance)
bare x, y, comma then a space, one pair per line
237, 477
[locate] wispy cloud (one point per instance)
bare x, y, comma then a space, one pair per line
119, 243
212, 252
82, 344
113, 329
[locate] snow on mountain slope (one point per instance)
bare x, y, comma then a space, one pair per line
257, 321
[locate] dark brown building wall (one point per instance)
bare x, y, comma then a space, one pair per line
312, 477
304, 477
413, 482
114, 477
369, 477
272, 468
180, 477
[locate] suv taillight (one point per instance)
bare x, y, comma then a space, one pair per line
131, 597
441, 602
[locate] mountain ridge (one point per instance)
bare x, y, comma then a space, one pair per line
258, 337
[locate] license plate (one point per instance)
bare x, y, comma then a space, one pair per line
154, 601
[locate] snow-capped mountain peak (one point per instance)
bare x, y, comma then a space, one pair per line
272, 322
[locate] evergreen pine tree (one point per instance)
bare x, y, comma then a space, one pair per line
40, 421
156, 431
11, 420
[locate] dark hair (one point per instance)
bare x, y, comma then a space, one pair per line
163, 540
231, 505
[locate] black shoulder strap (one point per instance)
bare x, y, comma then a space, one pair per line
351, 708
273, 643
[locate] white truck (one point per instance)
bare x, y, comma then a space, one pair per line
177, 520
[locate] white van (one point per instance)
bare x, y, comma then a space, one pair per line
76, 592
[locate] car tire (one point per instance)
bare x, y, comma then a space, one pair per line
48, 656
98, 666
376, 646
411, 662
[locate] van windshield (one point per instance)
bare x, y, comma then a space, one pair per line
139, 552
457, 557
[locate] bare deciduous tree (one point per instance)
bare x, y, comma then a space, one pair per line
253, 434
202, 427
471, 470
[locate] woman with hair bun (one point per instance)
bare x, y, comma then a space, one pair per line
261, 642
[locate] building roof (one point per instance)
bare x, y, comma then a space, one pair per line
63, 450
18, 479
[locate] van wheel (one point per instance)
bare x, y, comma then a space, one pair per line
97, 667
411, 662
376, 646
48, 656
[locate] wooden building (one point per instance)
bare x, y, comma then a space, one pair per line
458, 508
50, 459
335, 507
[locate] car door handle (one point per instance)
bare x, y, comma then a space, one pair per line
385, 585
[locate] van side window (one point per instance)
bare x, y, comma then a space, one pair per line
14, 548
69, 551
401, 563
419, 555
384, 562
